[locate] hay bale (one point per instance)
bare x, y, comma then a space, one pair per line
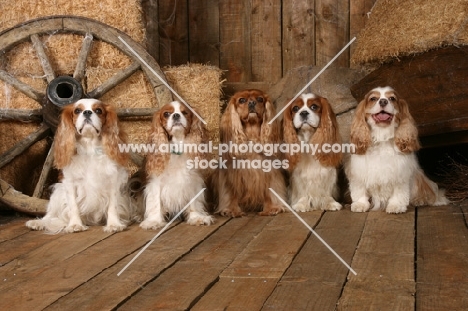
121, 14
201, 87
400, 28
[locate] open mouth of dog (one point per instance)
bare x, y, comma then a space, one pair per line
383, 116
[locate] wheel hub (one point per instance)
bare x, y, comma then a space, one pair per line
61, 91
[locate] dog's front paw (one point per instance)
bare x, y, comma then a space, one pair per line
228, 212
114, 228
395, 209
301, 207
75, 228
152, 224
36, 224
271, 210
333, 206
199, 220
360, 207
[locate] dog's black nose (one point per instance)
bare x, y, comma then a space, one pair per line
252, 104
304, 114
176, 116
383, 102
87, 113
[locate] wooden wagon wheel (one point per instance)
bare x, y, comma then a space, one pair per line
63, 90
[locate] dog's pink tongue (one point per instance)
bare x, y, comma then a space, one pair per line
382, 116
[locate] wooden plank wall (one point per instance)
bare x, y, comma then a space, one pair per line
253, 40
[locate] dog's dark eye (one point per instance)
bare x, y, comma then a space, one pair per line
77, 111
98, 111
314, 107
392, 99
185, 112
295, 109
242, 100
167, 114
373, 99
260, 99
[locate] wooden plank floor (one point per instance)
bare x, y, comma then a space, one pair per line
414, 261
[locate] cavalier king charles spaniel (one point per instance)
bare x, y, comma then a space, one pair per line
244, 189
310, 120
171, 183
384, 172
93, 188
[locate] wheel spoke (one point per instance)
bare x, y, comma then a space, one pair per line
20, 147
81, 63
116, 79
135, 112
46, 66
23, 115
38, 191
22, 87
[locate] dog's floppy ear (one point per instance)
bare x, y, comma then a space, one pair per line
197, 134
290, 138
156, 161
406, 134
65, 138
112, 136
231, 126
360, 132
327, 133
269, 132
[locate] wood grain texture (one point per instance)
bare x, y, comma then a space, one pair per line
29, 271
298, 41
266, 40
249, 280
181, 285
105, 290
235, 44
237, 294
13, 229
254, 41
332, 31
248, 263
442, 262
71, 261
150, 10
24, 115
173, 32
384, 262
204, 31
315, 269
